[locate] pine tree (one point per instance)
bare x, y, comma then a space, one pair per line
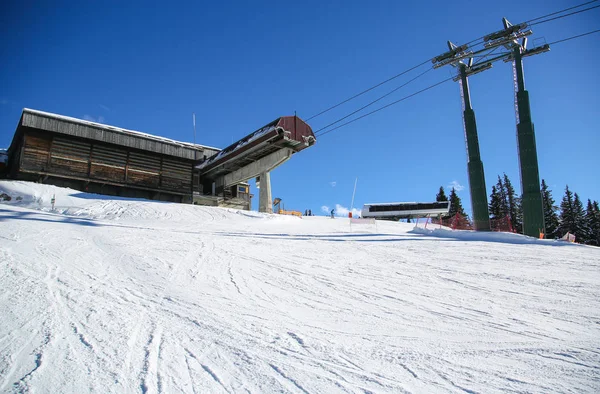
519, 220
512, 204
596, 224
456, 205
495, 206
500, 187
504, 206
441, 196
567, 214
591, 225
581, 232
550, 216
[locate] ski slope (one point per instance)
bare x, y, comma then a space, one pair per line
125, 296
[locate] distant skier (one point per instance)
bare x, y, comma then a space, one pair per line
332, 211
309, 212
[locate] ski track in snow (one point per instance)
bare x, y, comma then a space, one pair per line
117, 295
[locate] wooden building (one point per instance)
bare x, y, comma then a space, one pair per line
103, 159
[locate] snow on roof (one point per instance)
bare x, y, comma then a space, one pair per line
119, 130
232, 148
409, 202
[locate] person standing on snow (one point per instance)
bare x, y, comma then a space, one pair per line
332, 211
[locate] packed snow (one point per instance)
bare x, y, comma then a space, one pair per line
120, 295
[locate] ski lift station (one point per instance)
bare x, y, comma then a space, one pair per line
405, 210
104, 159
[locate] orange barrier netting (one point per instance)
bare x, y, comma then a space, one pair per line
459, 222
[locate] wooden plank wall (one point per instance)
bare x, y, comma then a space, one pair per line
144, 170
81, 159
108, 163
70, 157
36, 150
176, 175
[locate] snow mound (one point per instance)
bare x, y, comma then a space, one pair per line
501, 237
79, 204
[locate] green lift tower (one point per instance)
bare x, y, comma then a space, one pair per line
481, 217
533, 211
533, 214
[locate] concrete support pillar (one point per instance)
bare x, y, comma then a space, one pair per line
265, 201
254, 169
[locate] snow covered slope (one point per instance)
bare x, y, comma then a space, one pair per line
121, 295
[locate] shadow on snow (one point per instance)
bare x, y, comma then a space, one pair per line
330, 237
44, 217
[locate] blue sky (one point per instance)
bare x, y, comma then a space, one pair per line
238, 65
